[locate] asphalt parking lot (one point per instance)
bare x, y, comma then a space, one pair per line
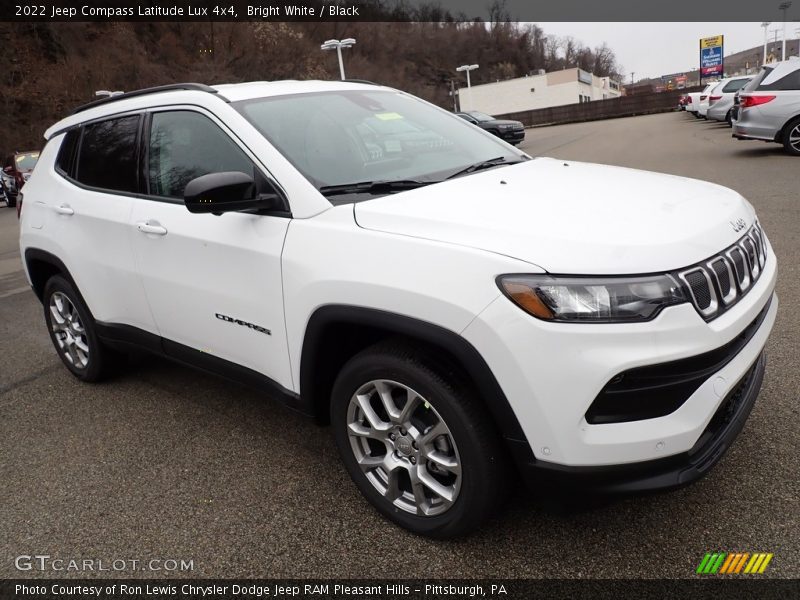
163, 462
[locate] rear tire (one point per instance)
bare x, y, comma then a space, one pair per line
791, 137
728, 119
435, 467
72, 331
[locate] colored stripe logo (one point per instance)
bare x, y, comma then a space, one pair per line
734, 563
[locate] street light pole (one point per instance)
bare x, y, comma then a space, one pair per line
468, 68
338, 45
784, 6
765, 24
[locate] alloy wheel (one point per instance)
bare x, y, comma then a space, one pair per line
404, 447
68, 331
794, 138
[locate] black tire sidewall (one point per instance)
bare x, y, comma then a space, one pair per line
472, 502
786, 133
93, 371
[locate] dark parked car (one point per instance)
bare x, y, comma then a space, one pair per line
512, 132
17, 168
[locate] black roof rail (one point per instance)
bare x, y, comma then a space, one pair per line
198, 87
365, 81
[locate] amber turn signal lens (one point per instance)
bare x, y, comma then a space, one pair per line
526, 297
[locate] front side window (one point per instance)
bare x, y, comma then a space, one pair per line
341, 137
107, 157
185, 145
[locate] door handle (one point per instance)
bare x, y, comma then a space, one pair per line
64, 209
154, 228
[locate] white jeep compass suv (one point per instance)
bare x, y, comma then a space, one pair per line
462, 314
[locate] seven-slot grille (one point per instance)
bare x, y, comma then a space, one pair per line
717, 283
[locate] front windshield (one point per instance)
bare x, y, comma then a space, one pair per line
480, 116
342, 137
26, 162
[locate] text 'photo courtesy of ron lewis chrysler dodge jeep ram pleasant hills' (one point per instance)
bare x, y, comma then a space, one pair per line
467, 318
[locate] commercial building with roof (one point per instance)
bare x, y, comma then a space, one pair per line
543, 90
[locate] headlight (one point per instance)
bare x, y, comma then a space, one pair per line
592, 299
506, 127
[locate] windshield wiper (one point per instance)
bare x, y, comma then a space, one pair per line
485, 164
373, 187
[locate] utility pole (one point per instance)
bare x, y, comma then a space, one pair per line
632, 74
453, 94
775, 39
784, 6
765, 24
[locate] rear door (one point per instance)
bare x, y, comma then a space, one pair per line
213, 282
88, 213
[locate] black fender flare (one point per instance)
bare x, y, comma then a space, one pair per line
458, 347
36, 254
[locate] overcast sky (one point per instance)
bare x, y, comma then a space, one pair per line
654, 49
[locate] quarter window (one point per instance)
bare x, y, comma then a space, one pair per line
185, 145
66, 153
107, 157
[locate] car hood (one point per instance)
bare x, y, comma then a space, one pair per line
570, 217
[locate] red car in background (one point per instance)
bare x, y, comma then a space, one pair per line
17, 169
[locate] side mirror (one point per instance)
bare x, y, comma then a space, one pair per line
227, 191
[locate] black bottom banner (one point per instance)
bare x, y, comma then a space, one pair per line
249, 589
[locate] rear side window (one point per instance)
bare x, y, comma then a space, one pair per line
787, 82
735, 85
185, 145
65, 161
107, 155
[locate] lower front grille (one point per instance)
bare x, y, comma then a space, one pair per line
658, 390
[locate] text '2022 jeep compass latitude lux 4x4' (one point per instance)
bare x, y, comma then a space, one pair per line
462, 314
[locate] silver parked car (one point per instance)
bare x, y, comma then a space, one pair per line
769, 106
720, 99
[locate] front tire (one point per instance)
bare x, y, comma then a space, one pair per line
72, 332
417, 442
791, 138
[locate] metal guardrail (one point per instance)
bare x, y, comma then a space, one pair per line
624, 106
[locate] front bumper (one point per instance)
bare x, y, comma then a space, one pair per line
552, 372
666, 473
513, 135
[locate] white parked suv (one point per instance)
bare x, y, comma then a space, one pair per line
463, 315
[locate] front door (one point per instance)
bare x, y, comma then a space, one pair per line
213, 282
